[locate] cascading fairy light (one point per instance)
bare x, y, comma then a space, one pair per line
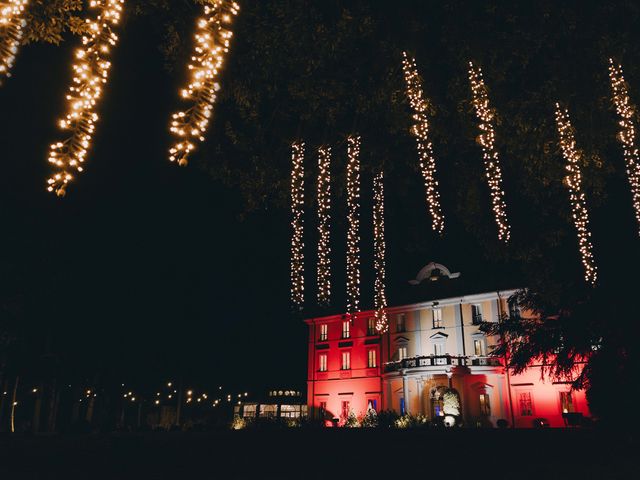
420, 131
627, 134
212, 43
324, 227
379, 252
573, 181
353, 224
487, 139
297, 224
91, 73
12, 23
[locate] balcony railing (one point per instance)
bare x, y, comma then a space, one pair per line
438, 360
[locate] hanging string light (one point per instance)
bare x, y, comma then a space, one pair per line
11, 24
420, 131
324, 227
487, 139
353, 224
627, 134
297, 224
379, 252
573, 181
91, 73
212, 43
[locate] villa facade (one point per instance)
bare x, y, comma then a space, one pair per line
431, 347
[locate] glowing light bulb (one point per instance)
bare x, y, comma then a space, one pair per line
627, 134
324, 225
487, 140
297, 224
420, 131
573, 181
211, 46
353, 224
12, 23
91, 70
379, 252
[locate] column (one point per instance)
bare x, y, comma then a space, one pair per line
405, 392
420, 395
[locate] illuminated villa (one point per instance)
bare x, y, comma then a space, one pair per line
432, 347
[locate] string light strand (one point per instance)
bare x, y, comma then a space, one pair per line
573, 181
379, 259
12, 23
353, 224
487, 139
91, 73
420, 130
324, 226
627, 134
297, 224
212, 40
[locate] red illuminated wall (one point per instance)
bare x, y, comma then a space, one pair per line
357, 385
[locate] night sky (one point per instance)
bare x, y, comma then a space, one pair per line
146, 272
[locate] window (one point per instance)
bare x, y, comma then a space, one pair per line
438, 348
526, 407
371, 362
372, 404
437, 317
402, 353
346, 408
476, 313
566, 402
346, 360
401, 323
371, 326
479, 348
323, 407
485, 406
324, 332
402, 406
289, 411
322, 362
514, 308
346, 329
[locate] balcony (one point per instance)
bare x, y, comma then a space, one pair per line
440, 360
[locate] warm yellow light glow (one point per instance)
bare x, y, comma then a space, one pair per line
91, 72
420, 131
297, 224
627, 135
12, 23
573, 181
212, 41
487, 140
324, 225
379, 252
353, 224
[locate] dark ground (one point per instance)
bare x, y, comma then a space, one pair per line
325, 454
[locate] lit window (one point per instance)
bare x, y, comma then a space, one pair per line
372, 404
438, 348
476, 313
566, 402
346, 408
526, 406
401, 323
485, 406
372, 359
371, 326
289, 411
479, 348
346, 329
514, 308
322, 362
346, 360
437, 317
402, 353
324, 332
